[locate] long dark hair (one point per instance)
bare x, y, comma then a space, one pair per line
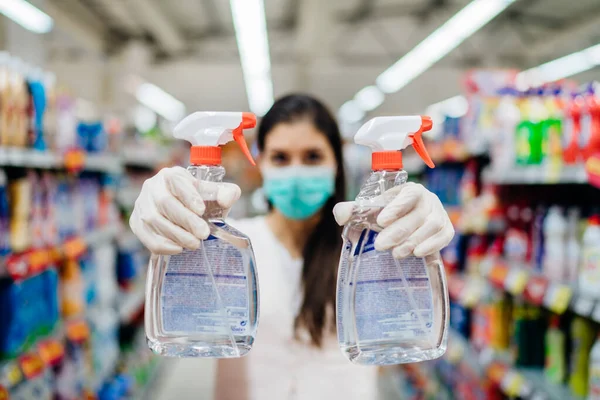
322, 250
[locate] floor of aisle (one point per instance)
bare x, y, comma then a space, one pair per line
185, 379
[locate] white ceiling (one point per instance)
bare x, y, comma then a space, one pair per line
328, 48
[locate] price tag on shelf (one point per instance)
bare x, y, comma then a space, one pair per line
535, 290
74, 160
78, 331
596, 313
513, 384
31, 365
557, 298
51, 351
583, 306
11, 374
515, 281
74, 248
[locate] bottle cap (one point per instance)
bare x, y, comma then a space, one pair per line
388, 136
207, 131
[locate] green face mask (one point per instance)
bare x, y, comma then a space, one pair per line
298, 192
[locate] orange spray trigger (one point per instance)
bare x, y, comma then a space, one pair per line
418, 145
248, 122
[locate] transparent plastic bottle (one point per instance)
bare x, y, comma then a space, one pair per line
204, 303
389, 311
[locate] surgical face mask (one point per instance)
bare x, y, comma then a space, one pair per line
298, 192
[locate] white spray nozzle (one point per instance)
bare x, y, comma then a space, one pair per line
212, 129
392, 134
209, 128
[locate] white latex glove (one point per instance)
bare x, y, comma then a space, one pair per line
167, 216
414, 222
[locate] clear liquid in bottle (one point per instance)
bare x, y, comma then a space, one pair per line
204, 303
389, 311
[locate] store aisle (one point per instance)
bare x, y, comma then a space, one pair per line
186, 379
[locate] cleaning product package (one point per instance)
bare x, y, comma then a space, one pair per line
204, 303
389, 311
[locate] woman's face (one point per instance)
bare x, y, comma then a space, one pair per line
295, 144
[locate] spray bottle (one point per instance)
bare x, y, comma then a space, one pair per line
572, 131
204, 303
389, 311
590, 124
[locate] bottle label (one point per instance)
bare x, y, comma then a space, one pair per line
586, 131
594, 392
190, 300
393, 297
590, 271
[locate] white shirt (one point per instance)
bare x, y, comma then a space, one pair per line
279, 366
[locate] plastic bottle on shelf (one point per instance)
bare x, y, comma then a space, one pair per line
573, 249
572, 131
388, 321
590, 124
582, 336
538, 117
507, 116
220, 274
589, 273
594, 374
524, 131
554, 258
555, 366
552, 128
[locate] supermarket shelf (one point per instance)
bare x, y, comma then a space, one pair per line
534, 288
29, 158
529, 384
536, 175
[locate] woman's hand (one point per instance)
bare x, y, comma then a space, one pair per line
167, 216
414, 222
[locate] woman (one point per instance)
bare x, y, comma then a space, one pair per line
297, 247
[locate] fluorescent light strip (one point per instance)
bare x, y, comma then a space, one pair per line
27, 15
160, 101
441, 42
369, 98
562, 67
253, 45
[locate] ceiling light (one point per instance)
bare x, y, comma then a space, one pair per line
253, 45
27, 15
160, 101
350, 112
562, 67
441, 42
369, 98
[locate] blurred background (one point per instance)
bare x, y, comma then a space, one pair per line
91, 89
